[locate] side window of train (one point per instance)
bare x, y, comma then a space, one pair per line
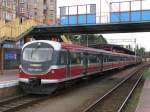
104, 58
110, 59
118, 58
114, 58
63, 58
121, 58
75, 58
99, 59
93, 58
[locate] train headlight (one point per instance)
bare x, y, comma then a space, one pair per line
52, 71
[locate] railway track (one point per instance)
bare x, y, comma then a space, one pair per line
18, 102
116, 98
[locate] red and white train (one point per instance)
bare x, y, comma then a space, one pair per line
47, 64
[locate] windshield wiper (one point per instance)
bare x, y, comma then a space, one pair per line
33, 51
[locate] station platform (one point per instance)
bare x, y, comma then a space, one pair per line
144, 102
8, 78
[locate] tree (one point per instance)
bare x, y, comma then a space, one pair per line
88, 39
140, 51
101, 40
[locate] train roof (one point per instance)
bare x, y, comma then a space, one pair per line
54, 44
89, 49
58, 46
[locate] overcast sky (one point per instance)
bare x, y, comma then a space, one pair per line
143, 39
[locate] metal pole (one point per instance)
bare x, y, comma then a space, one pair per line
100, 11
86, 14
68, 16
135, 49
119, 12
86, 40
60, 15
130, 18
77, 14
141, 9
110, 7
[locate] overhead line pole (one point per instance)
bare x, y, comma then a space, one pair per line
100, 10
135, 49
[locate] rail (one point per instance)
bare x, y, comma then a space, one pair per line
19, 102
96, 106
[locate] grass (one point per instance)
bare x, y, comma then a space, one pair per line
146, 73
133, 102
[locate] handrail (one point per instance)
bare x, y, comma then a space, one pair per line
13, 29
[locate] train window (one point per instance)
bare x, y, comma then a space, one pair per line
37, 54
93, 58
111, 59
75, 58
62, 58
116, 58
105, 59
119, 58
99, 60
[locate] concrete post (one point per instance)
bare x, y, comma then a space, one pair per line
1, 59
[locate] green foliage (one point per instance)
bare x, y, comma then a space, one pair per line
88, 39
140, 51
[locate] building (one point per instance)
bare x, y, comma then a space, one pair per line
7, 10
42, 10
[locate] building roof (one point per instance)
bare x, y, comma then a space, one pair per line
112, 47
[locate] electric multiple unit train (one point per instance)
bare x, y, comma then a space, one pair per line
47, 64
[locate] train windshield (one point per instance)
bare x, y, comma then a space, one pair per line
37, 54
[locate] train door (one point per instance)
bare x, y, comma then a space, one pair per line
85, 62
68, 66
100, 58
64, 61
98, 62
103, 61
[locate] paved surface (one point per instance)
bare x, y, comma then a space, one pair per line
144, 104
8, 78
9, 75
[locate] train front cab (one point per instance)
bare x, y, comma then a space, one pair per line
37, 62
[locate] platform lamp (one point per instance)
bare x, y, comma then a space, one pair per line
1, 59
